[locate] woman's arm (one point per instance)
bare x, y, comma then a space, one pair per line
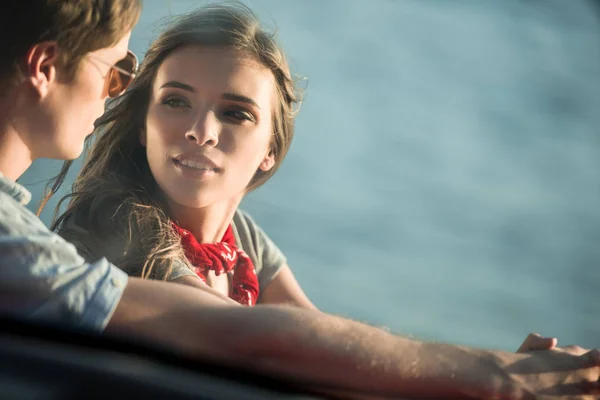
277, 282
195, 282
285, 289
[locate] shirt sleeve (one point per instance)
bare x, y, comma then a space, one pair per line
179, 270
267, 257
42, 277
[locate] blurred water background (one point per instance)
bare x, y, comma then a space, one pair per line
444, 181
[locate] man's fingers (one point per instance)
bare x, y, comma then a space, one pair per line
536, 342
572, 391
574, 350
593, 358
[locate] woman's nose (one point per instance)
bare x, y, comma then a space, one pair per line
204, 131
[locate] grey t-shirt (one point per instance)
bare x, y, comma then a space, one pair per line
266, 256
41, 275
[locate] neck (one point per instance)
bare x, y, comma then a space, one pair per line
15, 155
207, 224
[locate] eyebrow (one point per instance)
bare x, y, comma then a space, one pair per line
226, 96
178, 85
239, 97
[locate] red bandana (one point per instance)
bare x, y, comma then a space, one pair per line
222, 257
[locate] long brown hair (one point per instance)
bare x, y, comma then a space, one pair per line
116, 184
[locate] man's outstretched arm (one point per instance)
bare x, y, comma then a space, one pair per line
316, 347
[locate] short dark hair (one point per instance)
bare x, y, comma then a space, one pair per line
78, 26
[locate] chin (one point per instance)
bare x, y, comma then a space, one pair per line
72, 153
57, 148
191, 200
65, 154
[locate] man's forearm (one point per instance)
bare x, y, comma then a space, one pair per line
315, 347
331, 352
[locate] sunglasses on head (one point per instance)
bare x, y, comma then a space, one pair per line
121, 73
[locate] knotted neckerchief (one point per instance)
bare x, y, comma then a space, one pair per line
222, 257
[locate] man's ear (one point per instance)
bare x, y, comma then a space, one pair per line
268, 162
41, 64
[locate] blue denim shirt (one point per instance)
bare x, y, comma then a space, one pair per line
41, 275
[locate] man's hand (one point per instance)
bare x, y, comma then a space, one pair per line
535, 342
557, 372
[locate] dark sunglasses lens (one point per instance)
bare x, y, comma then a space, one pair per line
129, 63
118, 80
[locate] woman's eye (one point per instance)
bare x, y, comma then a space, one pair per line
175, 102
240, 115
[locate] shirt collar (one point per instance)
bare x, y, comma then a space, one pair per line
16, 191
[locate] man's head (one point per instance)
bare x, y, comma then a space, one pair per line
57, 56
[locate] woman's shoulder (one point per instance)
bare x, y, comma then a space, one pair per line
267, 257
243, 220
94, 235
248, 233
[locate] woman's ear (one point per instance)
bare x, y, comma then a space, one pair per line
268, 162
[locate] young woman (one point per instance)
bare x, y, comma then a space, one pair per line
209, 118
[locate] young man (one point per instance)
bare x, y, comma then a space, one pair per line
61, 59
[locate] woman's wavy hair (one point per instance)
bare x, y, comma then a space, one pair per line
116, 185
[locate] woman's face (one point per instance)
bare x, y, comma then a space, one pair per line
209, 125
